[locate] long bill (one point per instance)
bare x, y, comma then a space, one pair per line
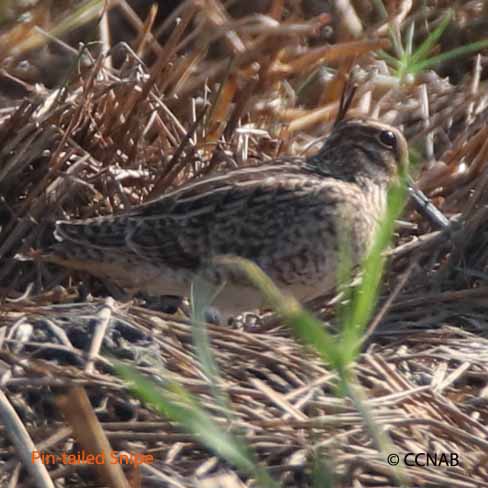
426, 207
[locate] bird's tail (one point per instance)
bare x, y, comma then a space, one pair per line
96, 246
99, 232
62, 253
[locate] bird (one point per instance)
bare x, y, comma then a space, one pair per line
290, 216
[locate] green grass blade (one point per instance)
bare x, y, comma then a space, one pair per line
391, 60
322, 475
380, 438
305, 326
5, 5
178, 405
78, 17
202, 295
380, 8
409, 39
454, 53
426, 47
366, 295
396, 40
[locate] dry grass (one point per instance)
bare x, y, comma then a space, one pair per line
211, 93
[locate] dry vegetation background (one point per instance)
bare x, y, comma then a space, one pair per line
158, 95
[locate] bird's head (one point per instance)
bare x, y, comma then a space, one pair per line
363, 151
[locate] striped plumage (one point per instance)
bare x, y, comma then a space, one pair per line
288, 216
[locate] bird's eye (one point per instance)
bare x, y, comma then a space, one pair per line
388, 139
